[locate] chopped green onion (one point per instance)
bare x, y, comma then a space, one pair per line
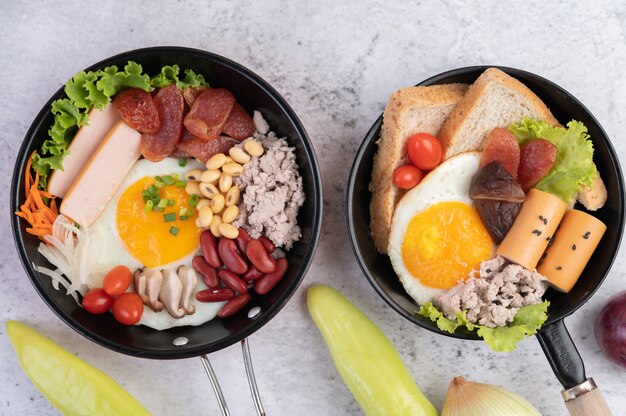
148, 207
159, 209
182, 212
153, 189
193, 200
162, 203
158, 179
182, 162
168, 180
184, 218
174, 231
176, 176
170, 202
169, 217
181, 184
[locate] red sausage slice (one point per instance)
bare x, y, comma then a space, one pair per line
137, 109
191, 93
191, 146
536, 160
502, 147
239, 124
170, 105
209, 113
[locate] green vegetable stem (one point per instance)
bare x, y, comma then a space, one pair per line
368, 363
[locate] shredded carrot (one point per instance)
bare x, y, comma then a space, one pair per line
34, 210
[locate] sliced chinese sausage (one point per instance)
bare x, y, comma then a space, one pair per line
191, 93
191, 146
209, 113
239, 124
502, 147
137, 109
536, 159
170, 105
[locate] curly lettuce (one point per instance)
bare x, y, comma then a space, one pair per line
86, 90
573, 167
526, 322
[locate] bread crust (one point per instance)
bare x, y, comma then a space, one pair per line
429, 106
471, 102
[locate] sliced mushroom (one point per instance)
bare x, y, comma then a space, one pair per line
139, 283
189, 280
171, 290
154, 281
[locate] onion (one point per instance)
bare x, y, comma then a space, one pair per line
466, 398
610, 329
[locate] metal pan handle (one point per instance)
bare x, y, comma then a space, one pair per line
581, 395
254, 390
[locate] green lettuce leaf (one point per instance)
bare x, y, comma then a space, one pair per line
573, 167
96, 89
526, 322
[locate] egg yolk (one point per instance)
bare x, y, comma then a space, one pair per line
146, 235
444, 243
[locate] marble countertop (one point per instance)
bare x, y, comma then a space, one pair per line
336, 63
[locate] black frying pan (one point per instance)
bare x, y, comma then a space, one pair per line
553, 336
254, 94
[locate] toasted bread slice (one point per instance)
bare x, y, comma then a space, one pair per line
495, 99
409, 110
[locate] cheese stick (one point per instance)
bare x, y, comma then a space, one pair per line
104, 172
574, 242
533, 228
84, 143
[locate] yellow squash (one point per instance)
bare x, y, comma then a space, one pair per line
70, 384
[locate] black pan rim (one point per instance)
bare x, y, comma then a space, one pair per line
173, 353
374, 131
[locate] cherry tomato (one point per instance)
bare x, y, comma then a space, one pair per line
406, 177
97, 301
117, 280
425, 151
128, 308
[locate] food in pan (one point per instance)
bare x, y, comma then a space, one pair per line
141, 198
480, 236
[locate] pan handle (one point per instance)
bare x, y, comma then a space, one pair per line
581, 395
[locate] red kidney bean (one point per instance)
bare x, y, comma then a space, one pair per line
208, 273
232, 281
258, 256
251, 275
267, 282
267, 243
232, 258
215, 295
208, 242
234, 305
242, 239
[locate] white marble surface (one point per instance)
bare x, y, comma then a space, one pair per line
336, 63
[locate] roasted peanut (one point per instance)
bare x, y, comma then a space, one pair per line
205, 216
228, 230
226, 182
193, 175
230, 214
215, 225
253, 148
232, 196
217, 203
232, 168
192, 188
208, 190
210, 176
216, 161
238, 155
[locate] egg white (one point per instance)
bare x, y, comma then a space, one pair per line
449, 182
111, 250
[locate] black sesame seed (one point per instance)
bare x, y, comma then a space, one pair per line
543, 219
547, 238
488, 270
574, 247
537, 232
497, 302
559, 268
586, 235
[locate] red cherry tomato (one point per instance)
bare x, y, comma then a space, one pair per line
97, 301
117, 280
128, 308
425, 151
406, 177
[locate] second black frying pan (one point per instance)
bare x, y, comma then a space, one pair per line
579, 392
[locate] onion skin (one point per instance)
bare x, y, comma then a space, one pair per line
466, 398
610, 329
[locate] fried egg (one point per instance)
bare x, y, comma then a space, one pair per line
126, 234
437, 237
